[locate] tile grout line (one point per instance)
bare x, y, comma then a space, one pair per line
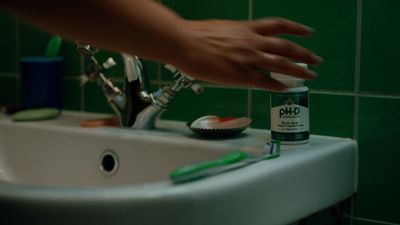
379, 222
250, 10
374, 221
331, 92
349, 93
357, 76
249, 89
378, 95
357, 70
17, 55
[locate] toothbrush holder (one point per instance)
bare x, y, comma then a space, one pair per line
41, 82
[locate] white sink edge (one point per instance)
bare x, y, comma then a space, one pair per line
159, 189
283, 193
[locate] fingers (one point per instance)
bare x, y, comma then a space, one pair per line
258, 80
238, 75
276, 26
242, 75
279, 64
289, 49
231, 53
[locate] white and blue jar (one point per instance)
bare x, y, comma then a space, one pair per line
290, 111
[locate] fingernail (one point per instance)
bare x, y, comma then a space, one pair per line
310, 29
312, 74
318, 59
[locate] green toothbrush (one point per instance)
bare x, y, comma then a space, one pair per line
53, 47
230, 161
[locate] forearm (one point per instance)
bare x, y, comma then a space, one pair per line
132, 26
224, 52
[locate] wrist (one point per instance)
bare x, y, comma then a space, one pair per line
184, 46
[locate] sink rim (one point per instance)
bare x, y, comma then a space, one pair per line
162, 189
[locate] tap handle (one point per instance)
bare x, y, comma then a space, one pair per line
95, 71
197, 89
110, 62
178, 73
108, 86
184, 79
171, 68
87, 50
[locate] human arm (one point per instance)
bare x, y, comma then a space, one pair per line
224, 52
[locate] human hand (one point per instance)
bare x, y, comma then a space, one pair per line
234, 52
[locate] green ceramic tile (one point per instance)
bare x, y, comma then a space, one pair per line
72, 59
72, 94
260, 111
378, 195
166, 75
151, 69
347, 221
222, 102
8, 92
209, 9
95, 100
379, 47
331, 115
33, 41
116, 71
8, 45
334, 38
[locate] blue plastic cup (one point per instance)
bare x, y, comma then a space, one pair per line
41, 80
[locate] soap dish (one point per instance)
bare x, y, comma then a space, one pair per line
215, 127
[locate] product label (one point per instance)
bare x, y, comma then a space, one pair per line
289, 116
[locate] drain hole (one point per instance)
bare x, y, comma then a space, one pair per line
109, 162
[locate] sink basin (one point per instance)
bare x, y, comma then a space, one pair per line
55, 172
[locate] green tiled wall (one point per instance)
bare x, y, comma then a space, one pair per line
8, 94
210, 9
8, 49
380, 47
334, 22
72, 93
31, 40
379, 195
357, 94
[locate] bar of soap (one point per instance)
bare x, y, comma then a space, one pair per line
36, 114
104, 122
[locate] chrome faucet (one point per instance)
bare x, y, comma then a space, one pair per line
135, 106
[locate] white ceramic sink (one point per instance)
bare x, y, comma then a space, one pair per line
55, 172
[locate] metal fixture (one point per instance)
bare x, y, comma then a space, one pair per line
135, 106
